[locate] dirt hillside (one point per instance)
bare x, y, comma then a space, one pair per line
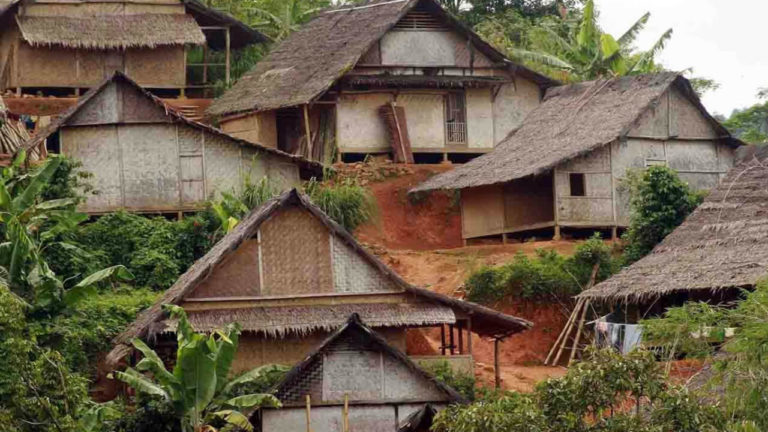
421, 240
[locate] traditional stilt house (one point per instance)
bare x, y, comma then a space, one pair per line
291, 276
563, 168
61, 48
383, 76
356, 380
146, 157
718, 251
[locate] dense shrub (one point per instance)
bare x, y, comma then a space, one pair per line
69, 181
546, 275
346, 202
659, 203
462, 382
86, 331
599, 394
155, 250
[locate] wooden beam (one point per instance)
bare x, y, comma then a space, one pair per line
450, 338
307, 131
469, 335
496, 369
227, 43
309, 407
442, 339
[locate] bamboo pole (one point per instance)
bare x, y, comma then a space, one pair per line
309, 407
567, 331
562, 332
307, 131
496, 369
346, 413
469, 335
578, 332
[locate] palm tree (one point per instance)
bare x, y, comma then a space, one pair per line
281, 19
198, 388
589, 53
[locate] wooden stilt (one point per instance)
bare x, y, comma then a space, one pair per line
469, 335
461, 337
451, 340
557, 236
615, 234
309, 407
503, 238
496, 369
442, 339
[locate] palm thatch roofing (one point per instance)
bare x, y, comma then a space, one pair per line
241, 34
309, 168
302, 320
360, 337
485, 321
571, 121
306, 64
723, 244
111, 31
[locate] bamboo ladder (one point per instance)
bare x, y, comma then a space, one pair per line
575, 320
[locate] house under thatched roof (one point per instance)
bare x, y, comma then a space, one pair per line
349, 280
572, 121
722, 245
313, 58
312, 168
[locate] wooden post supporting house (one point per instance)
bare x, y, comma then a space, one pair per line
451, 340
227, 53
496, 369
307, 131
469, 335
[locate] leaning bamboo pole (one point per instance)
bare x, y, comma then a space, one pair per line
578, 332
562, 333
567, 330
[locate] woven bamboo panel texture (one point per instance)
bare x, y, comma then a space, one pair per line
296, 254
353, 274
236, 276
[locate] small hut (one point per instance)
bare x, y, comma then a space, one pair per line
290, 276
403, 77
718, 251
355, 380
563, 168
60, 48
146, 157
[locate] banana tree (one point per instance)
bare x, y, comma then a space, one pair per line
589, 53
198, 388
28, 225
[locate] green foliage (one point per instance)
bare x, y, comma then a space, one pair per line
84, 332
572, 44
155, 250
548, 274
346, 202
594, 396
198, 388
69, 181
659, 203
693, 330
462, 382
750, 124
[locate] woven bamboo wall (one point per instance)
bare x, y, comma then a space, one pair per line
296, 254
237, 276
352, 274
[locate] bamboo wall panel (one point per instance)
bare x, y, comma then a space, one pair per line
482, 211
150, 165
222, 165
528, 201
296, 254
157, 67
352, 274
236, 276
98, 150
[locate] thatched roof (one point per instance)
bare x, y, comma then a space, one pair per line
311, 167
7, 6
240, 34
111, 31
419, 420
309, 61
571, 121
280, 321
485, 321
361, 338
722, 244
